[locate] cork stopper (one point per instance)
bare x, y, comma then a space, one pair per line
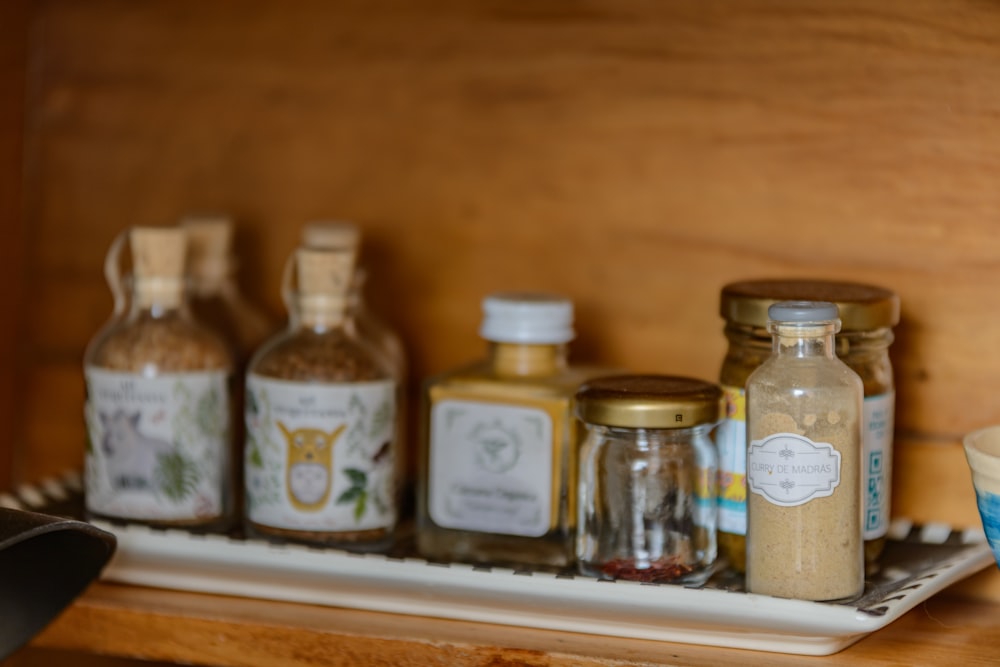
209, 241
324, 282
331, 234
158, 265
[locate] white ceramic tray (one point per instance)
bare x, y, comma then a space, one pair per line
919, 561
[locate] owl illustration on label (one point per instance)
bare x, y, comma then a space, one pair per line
309, 469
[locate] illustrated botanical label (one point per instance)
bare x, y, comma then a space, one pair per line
490, 467
731, 441
790, 470
877, 439
320, 457
158, 448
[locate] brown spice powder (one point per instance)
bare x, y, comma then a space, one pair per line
810, 551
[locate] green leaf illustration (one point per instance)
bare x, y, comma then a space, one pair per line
380, 419
210, 414
350, 496
254, 457
359, 507
357, 477
176, 476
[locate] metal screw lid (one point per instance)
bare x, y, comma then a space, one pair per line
649, 401
862, 307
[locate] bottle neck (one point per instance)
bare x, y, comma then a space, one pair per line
157, 295
211, 278
528, 360
815, 340
319, 312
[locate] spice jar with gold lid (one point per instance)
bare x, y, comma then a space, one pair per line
321, 459
868, 314
158, 397
647, 488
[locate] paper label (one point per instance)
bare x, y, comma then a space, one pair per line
731, 441
158, 447
877, 438
320, 457
789, 470
490, 467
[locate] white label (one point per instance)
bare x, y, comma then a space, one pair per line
877, 436
791, 470
158, 447
490, 468
320, 457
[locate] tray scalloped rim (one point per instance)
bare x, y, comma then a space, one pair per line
216, 564
181, 560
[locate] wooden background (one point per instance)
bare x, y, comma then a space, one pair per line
635, 155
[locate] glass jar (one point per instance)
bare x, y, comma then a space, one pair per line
347, 235
648, 478
321, 463
497, 467
867, 313
158, 414
215, 296
804, 462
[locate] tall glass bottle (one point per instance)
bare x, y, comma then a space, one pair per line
215, 296
158, 400
804, 412
217, 301
321, 462
497, 468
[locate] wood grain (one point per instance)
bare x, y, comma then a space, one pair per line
634, 155
222, 631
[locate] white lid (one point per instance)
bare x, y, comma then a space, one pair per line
530, 318
802, 311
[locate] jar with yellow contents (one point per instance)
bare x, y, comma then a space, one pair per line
868, 314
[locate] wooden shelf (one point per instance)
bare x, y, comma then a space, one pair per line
152, 624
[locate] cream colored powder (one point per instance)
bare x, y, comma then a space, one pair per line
811, 551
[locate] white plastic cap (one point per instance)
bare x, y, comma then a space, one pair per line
802, 311
531, 318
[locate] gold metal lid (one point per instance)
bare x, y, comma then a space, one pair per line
649, 401
862, 307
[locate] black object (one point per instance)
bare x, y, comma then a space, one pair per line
45, 562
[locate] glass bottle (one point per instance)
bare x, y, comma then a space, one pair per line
804, 412
215, 296
497, 467
158, 400
321, 462
647, 491
868, 313
347, 235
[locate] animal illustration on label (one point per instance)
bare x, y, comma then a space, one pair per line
309, 470
130, 457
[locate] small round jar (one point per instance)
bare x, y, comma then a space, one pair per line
647, 486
